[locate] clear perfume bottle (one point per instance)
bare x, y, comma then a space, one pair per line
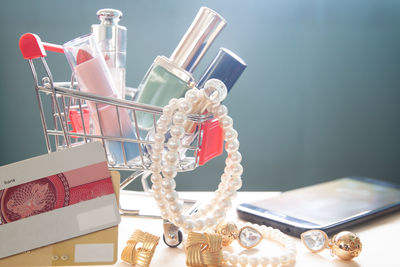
171, 77
111, 39
94, 77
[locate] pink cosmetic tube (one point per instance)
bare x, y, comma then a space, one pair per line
94, 77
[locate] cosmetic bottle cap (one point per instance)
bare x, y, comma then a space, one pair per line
109, 34
109, 15
226, 67
198, 38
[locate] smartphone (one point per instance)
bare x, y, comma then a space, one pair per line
329, 206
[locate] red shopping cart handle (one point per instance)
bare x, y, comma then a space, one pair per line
32, 47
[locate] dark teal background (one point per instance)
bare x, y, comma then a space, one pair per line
319, 99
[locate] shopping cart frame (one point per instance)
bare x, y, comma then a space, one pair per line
62, 94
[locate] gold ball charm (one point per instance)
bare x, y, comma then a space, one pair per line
345, 245
229, 232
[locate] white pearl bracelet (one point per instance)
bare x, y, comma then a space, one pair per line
163, 165
286, 258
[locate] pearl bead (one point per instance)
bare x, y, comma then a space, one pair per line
162, 205
168, 184
213, 107
291, 256
162, 128
229, 134
243, 260
210, 222
157, 196
283, 258
188, 225
199, 224
232, 145
264, 260
226, 122
219, 194
202, 212
221, 111
171, 196
207, 207
175, 208
225, 177
292, 250
156, 187
236, 183
253, 261
191, 96
156, 178
169, 171
185, 106
172, 157
222, 187
236, 169
231, 193
219, 214
233, 259
164, 214
156, 158
163, 119
167, 110
178, 220
275, 234
159, 138
178, 118
177, 131
274, 261
155, 168
235, 157
173, 102
157, 148
173, 144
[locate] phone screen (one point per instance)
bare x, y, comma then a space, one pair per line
331, 202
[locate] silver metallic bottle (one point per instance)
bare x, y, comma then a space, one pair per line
111, 38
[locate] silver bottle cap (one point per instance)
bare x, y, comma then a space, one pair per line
109, 34
198, 38
109, 15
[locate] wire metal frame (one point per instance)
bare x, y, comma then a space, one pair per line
60, 134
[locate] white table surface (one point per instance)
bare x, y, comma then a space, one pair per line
379, 238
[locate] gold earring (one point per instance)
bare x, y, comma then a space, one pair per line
203, 249
141, 256
247, 236
345, 245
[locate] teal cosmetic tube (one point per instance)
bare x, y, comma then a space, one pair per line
171, 77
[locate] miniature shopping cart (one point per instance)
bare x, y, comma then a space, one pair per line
67, 121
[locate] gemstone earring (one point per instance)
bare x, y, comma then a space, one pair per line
247, 236
345, 245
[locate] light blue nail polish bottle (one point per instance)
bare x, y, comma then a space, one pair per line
171, 77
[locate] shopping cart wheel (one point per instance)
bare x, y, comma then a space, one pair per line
172, 235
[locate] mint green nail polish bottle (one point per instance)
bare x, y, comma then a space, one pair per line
171, 77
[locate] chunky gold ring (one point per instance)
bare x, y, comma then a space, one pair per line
345, 245
140, 248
